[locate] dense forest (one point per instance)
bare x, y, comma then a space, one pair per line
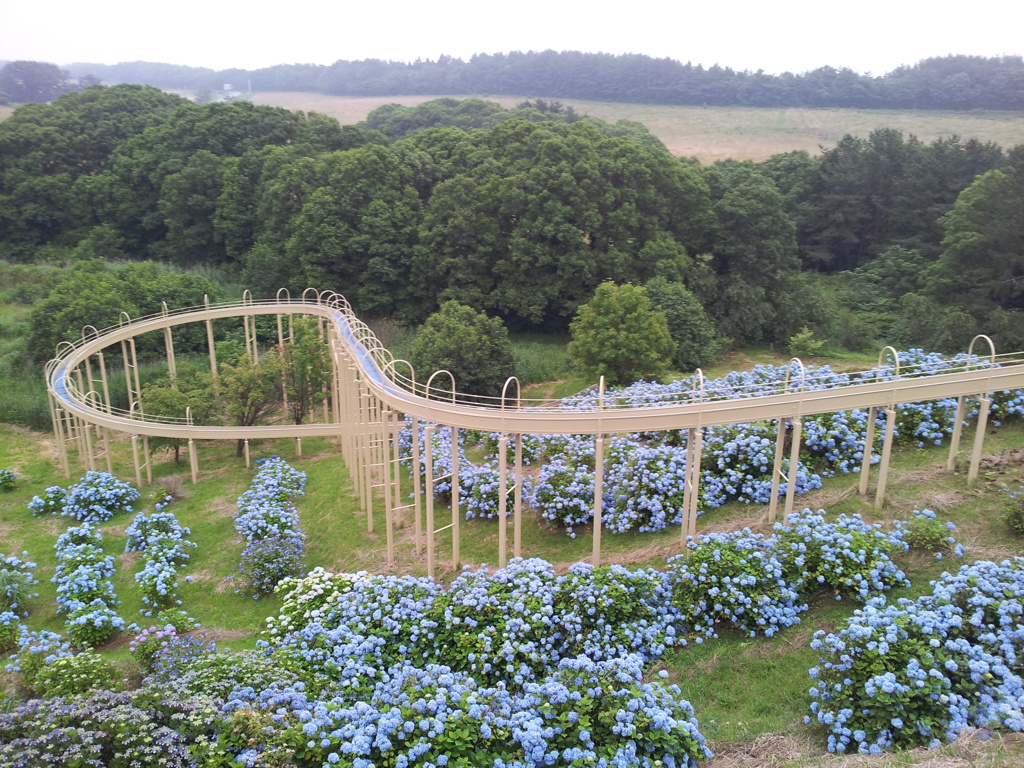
948, 82
522, 213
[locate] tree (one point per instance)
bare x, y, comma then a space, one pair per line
249, 391
191, 393
26, 81
693, 332
475, 348
305, 368
620, 336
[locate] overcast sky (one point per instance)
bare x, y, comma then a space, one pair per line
869, 36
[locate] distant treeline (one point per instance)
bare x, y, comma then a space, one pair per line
949, 82
520, 213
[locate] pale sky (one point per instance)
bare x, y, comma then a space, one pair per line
869, 36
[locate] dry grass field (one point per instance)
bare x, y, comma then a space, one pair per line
717, 133
5, 112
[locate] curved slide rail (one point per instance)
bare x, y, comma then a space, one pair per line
369, 391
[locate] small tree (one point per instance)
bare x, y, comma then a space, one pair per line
619, 336
305, 368
192, 392
249, 391
474, 347
697, 341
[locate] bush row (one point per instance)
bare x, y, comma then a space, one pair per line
645, 473
84, 591
165, 543
268, 520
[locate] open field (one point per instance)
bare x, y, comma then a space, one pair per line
5, 112
717, 133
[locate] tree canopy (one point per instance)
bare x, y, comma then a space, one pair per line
620, 336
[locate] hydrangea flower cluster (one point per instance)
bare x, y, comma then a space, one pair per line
50, 503
84, 591
849, 557
94, 499
165, 542
644, 476
919, 672
734, 579
582, 713
304, 598
36, 649
153, 726
267, 518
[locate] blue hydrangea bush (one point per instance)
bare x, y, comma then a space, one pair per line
918, 672
85, 593
269, 521
7, 480
165, 543
643, 483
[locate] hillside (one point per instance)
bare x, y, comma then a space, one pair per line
718, 133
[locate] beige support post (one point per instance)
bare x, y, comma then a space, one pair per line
456, 536
780, 449
210, 345
691, 512
595, 555
135, 459
389, 505
298, 447
517, 518
172, 368
417, 487
869, 444
149, 462
193, 459
428, 461
249, 322
986, 403
57, 418
245, 446
883, 469
958, 427
794, 463
979, 438
502, 500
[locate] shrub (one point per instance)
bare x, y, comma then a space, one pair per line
98, 497
734, 579
10, 626
92, 623
1013, 511
16, 584
265, 562
803, 343
926, 532
7, 478
918, 672
36, 649
104, 729
50, 503
75, 675
848, 556
305, 599
473, 347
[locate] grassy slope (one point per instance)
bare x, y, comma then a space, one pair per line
747, 692
717, 133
